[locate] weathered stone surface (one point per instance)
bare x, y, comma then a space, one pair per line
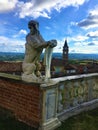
33, 49
45, 105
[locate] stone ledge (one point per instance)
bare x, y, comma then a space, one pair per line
77, 110
10, 76
50, 125
61, 79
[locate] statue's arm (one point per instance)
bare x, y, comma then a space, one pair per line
52, 43
41, 45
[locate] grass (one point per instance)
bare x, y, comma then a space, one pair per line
84, 121
8, 122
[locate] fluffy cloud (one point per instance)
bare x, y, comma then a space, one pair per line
6, 5
78, 44
91, 44
11, 44
22, 32
85, 47
91, 21
82, 44
93, 34
78, 38
36, 8
86, 50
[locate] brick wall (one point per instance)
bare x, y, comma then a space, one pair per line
24, 100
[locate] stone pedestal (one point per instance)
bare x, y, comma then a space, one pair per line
51, 125
49, 113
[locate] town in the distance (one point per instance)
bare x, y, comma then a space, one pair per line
60, 66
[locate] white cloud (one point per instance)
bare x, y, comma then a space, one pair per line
36, 8
94, 11
78, 38
91, 21
92, 34
85, 47
82, 44
59, 47
77, 46
47, 27
11, 44
7, 5
22, 31
18, 45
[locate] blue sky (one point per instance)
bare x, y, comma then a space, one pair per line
74, 20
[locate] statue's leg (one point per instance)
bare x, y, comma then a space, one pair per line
38, 68
29, 72
29, 68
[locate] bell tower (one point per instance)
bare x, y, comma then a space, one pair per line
65, 52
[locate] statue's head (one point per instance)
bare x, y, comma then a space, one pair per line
34, 24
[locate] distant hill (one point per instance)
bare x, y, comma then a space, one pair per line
78, 56
9, 56
83, 56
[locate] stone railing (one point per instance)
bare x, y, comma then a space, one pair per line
67, 97
45, 105
77, 90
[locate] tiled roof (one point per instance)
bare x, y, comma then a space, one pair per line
10, 66
17, 66
57, 62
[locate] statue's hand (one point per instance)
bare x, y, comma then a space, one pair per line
52, 43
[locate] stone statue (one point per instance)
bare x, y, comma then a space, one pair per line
33, 49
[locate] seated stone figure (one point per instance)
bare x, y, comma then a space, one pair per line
33, 49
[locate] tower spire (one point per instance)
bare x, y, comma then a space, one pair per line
65, 51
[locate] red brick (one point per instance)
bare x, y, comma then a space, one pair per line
22, 99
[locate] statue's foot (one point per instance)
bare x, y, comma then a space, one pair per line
29, 78
38, 74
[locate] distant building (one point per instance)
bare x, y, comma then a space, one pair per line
65, 52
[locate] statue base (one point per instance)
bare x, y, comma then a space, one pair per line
32, 78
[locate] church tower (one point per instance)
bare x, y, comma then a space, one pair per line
65, 52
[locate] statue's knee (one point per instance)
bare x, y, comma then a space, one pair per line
29, 68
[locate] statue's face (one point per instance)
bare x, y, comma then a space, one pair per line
32, 30
37, 27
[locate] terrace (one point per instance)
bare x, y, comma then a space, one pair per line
45, 105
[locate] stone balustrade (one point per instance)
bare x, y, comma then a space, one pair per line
45, 105
76, 91
67, 97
